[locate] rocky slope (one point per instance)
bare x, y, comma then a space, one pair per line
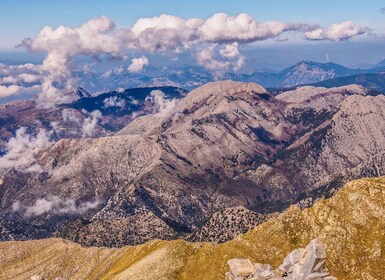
117, 109
224, 145
350, 225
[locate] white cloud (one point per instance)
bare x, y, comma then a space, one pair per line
114, 101
90, 123
134, 101
165, 33
62, 45
336, 32
227, 57
22, 149
230, 50
137, 64
165, 107
19, 80
12, 90
242, 28
206, 59
55, 205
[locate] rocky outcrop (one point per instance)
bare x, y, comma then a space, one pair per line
300, 264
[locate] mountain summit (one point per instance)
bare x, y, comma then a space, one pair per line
193, 163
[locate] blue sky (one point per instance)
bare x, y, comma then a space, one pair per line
24, 18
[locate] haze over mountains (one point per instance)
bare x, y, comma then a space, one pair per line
188, 77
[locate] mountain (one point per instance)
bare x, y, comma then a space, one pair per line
306, 72
67, 120
183, 171
372, 81
187, 77
350, 225
381, 63
190, 77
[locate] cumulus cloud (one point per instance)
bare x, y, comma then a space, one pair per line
114, 101
165, 32
62, 45
206, 58
90, 123
26, 72
19, 80
165, 107
22, 78
336, 32
98, 37
21, 150
226, 58
243, 28
12, 90
56, 205
137, 64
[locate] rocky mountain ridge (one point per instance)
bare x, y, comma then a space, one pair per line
178, 172
117, 109
190, 77
350, 225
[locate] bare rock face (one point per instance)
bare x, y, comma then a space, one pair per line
186, 171
37, 277
300, 264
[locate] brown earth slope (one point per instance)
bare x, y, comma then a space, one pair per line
351, 224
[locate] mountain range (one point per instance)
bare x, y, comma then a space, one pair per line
190, 77
350, 225
226, 155
117, 109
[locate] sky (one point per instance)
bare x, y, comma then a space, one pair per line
25, 18
58, 37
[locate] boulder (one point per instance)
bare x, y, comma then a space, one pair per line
300, 264
241, 267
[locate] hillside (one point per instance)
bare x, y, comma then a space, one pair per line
350, 224
180, 172
373, 81
117, 109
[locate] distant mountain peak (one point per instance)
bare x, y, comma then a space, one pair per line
381, 63
82, 93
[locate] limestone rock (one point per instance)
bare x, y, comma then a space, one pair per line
241, 267
300, 264
37, 277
